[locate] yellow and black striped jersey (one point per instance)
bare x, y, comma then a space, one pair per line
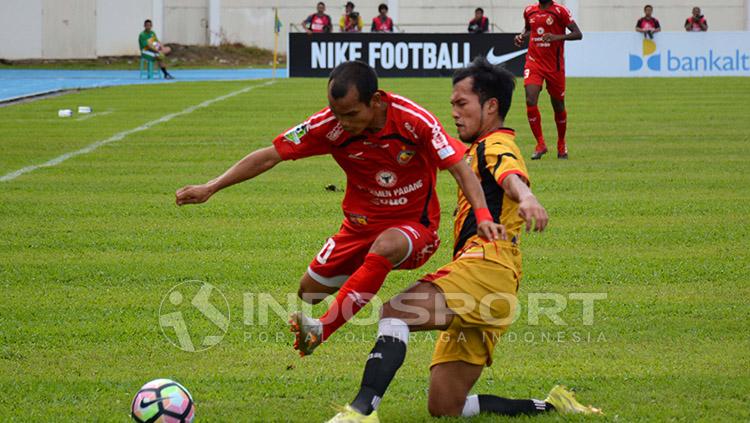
492, 159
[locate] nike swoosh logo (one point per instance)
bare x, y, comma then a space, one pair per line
147, 404
496, 60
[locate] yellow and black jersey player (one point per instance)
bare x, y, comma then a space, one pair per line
463, 299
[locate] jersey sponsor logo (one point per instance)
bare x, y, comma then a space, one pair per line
411, 130
401, 201
386, 178
295, 134
388, 193
439, 142
550, 20
405, 156
358, 219
335, 133
357, 156
496, 60
446, 152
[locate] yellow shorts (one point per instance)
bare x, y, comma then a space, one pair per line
480, 287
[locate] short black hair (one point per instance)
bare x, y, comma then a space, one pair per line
147, 21
357, 74
349, 4
648, 6
320, 3
383, 6
489, 81
479, 9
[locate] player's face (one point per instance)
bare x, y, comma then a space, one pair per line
353, 115
467, 110
148, 26
649, 11
321, 8
696, 11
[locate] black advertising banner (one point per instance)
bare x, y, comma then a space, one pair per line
400, 55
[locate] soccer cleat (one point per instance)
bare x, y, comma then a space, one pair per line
565, 402
538, 154
563, 156
350, 415
308, 333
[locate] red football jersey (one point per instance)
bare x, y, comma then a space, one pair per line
555, 19
391, 174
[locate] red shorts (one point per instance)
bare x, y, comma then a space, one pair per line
555, 81
345, 252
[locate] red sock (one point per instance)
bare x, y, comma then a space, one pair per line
535, 121
356, 292
561, 119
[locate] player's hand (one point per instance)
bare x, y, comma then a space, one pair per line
518, 41
193, 194
532, 212
547, 38
491, 231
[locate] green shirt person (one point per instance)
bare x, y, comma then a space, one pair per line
152, 49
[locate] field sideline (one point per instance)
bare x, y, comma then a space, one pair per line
652, 210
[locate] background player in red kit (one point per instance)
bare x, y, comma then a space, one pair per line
390, 149
318, 22
546, 25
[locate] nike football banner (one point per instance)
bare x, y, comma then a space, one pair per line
399, 55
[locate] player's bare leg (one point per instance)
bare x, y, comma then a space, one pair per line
390, 248
450, 384
535, 119
312, 291
561, 119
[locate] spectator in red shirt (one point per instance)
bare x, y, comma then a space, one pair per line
697, 22
318, 22
382, 22
648, 25
480, 24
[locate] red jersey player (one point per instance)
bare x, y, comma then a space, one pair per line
390, 149
546, 29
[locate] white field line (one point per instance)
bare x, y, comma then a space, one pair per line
121, 135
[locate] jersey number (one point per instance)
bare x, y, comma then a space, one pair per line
326, 252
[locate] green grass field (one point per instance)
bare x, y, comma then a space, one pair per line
652, 210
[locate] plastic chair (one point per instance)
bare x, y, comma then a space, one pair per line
147, 68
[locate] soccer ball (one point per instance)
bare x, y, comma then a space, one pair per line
163, 401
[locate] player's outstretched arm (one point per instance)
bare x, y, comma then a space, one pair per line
469, 184
529, 207
251, 166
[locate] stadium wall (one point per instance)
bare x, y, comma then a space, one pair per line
86, 28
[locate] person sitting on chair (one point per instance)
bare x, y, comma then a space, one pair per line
152, 49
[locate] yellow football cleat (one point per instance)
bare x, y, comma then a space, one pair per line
565, 402
350, 415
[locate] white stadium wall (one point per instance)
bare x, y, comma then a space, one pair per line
20, 29
88, 28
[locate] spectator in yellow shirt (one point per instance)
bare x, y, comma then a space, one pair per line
350, 21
